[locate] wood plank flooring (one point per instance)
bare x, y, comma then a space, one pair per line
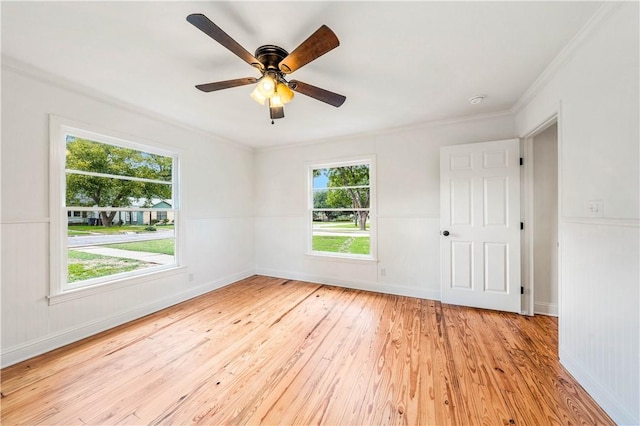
273, 351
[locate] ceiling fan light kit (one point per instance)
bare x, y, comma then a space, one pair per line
274, 63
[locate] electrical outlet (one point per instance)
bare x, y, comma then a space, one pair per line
383, 272
190, 277
595, 208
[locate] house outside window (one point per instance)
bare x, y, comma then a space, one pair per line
341, 209
104, 186
161, 216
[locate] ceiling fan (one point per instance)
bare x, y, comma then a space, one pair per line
274, 63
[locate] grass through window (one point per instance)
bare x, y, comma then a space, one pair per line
341, 244
165, 246
84, 266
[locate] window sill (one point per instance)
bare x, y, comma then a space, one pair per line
336, 258
82, 292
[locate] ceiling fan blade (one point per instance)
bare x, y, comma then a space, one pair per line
318, 43
317, 93
219, 85
205, 25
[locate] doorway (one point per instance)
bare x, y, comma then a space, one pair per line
540, 245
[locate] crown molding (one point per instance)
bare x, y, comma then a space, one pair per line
11, 64
392, 130
566, 54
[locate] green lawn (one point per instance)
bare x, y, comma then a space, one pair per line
165, 246
352, 245
84, 266
87, 229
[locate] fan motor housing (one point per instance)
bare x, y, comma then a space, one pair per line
270, 55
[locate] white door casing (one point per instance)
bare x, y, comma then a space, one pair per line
480, 212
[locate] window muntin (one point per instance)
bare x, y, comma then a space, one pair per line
340, 209
125, 186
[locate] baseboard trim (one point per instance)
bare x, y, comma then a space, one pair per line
356, 285
543, 308
618, 413
23, 351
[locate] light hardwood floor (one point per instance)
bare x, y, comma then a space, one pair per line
273, 351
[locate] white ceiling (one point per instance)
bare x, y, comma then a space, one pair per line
398, 63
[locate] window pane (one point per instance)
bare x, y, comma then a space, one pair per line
88, 191
130, 243
91, 156
345, 232
341, 176
320, 178
341, 198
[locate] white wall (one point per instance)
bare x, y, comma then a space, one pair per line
545, 221
596, 94
408, 206
217, 189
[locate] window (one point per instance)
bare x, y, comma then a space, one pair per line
341, 214
112, 194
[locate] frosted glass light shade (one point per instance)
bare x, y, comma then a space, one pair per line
285, 94
257, 96
266, 86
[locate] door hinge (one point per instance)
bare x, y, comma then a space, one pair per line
521, 161
521, 290
521, 226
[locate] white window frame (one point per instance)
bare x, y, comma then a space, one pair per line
373, 217
59, 289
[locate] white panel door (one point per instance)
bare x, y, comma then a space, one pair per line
480, 225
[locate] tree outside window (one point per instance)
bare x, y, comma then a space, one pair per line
102, 175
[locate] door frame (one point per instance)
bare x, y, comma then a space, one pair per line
527, 212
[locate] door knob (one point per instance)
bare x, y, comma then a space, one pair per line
445, 233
